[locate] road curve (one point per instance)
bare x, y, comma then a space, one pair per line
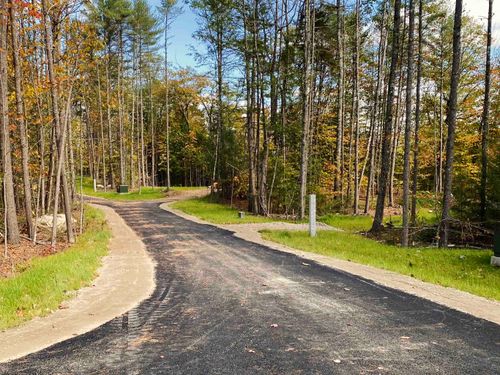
226, 306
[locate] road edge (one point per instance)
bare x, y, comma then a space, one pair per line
465, 302
125, 278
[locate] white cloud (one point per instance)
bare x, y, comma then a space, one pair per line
479, 10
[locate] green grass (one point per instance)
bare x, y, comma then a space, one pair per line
363, 223
146, 193
464, 269
348, 223
216, 213
47, 281
187, 188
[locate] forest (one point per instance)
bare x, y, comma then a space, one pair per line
379, 107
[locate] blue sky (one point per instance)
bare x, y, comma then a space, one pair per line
181, 37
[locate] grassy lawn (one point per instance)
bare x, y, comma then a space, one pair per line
216, 213
47, 281
464, 269
146, 192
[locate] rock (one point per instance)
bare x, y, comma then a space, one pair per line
47, 220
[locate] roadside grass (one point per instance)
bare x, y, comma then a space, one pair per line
47, 281
146, 192
463, 269
217, 213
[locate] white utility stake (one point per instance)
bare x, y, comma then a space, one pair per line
312, 215
95, 185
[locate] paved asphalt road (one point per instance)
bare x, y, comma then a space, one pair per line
225, 306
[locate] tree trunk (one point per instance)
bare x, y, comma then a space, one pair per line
167, 99
485, 118
439, 164
101, 124
451, 119
144, 179
340, 88
250, 128
356, 110
71, 155
374, 114
306, 100
153, 134
398, 118
408, 120
20, 118
60, 132
111, 179
413, 218
12, 234
120, 108
387, 130
219, 98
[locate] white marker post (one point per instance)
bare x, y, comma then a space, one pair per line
312, 215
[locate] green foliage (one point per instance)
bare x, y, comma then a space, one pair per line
108, 16
143, 24
46, 282
467, 270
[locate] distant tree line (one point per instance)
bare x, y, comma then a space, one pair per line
368, 104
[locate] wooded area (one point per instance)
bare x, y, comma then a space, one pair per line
368, 104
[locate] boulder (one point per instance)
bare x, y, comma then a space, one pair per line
46, 221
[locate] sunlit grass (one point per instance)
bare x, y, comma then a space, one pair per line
217, 213
464, 269
47, 281
363, 223
143, 194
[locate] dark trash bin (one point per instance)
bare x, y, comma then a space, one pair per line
122, 189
